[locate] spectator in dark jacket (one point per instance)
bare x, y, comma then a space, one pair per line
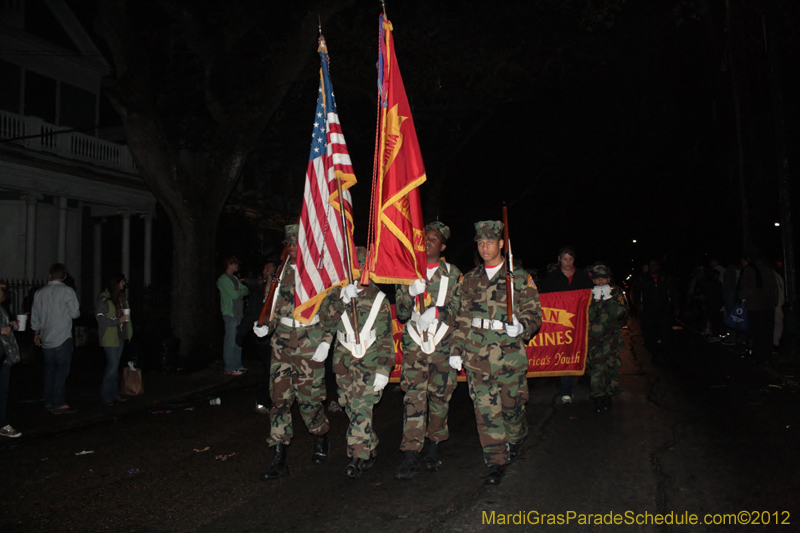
655, 296
730, 280
566, 278
759, 290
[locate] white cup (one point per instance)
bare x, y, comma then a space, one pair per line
127, 313
22, 320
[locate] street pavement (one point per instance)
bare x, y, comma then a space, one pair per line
707, 432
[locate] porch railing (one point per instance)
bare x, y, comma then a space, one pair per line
36, 134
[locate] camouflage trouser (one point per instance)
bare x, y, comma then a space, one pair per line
293, 375
499, 390
604, 374
428, 381
356, 394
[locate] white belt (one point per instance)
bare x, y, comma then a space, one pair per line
485, 323
286, 321
351, 339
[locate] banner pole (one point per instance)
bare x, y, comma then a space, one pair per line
348, 257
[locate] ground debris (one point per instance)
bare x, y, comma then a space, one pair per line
225, 457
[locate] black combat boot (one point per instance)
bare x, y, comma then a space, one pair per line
278, 467
496, 473
599, 402
353, 468
370, 461
320, 449
432, 461
409, 468
513, 449
607, 403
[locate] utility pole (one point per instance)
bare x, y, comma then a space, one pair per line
791, 319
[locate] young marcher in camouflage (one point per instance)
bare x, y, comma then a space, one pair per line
608, 312
362, 369
297, 371
492, 349
428, 379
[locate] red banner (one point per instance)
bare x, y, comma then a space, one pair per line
397, 234
558, 349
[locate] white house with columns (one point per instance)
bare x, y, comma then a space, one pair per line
54, 166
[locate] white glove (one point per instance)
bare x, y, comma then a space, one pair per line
416, 288
321, 353
455, 362
597, 292
260, 331
426, 319
515, 329
380, 382
349, 292
606, 292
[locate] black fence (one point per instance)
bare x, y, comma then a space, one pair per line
20, 295
150, 315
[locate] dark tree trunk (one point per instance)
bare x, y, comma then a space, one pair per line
193, 273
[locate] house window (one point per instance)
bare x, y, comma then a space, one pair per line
78, 108
40, 97
10, 86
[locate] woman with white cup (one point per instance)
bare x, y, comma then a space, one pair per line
9, 356
114, 328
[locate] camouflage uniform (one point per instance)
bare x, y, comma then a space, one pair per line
605, 343
354, 376
496, 363
293, 375
428, 380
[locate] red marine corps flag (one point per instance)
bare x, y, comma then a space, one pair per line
325, 253
396, 233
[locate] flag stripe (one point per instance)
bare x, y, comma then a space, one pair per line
321, 255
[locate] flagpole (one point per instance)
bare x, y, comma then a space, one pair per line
348, 258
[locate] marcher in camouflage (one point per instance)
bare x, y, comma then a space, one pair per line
294, 374
608, 312
427, 379
493, 349
362, 370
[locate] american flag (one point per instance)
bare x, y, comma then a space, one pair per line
321, 256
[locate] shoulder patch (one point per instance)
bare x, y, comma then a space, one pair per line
460, 278
531, 283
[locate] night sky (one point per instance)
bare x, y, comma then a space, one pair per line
597, 127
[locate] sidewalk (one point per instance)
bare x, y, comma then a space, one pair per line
162, 390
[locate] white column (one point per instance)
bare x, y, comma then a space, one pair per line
97, 256
148, 248
126, 242
30, 234
62, 230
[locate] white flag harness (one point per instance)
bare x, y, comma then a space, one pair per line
367, 334
436, 331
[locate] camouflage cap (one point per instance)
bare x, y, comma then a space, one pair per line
440, 228
600, 271
290, 233
488, 229
361, 253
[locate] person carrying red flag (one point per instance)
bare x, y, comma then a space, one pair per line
427, 377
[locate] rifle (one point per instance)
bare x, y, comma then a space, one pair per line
269, 303
509, 268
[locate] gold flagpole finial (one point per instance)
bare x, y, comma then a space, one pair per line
383, 6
